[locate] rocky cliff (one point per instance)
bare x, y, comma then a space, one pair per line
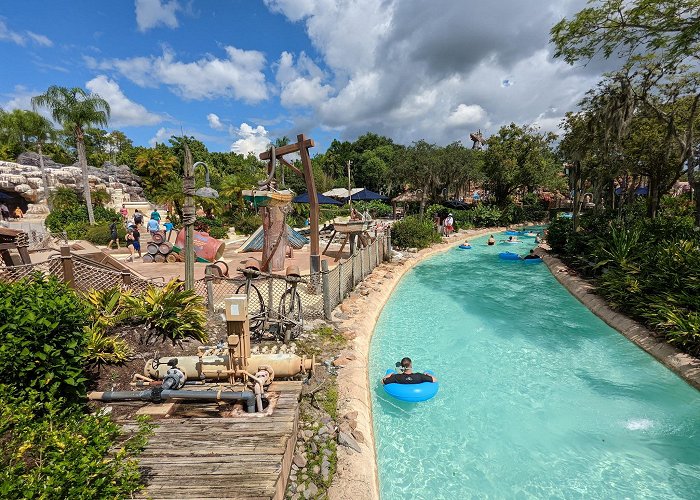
24, 178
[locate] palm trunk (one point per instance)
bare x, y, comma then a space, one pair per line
44, 177
82, 159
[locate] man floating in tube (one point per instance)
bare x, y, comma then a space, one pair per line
407, 376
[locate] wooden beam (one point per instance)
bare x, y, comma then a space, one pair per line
313, 203
289, 148
290, 165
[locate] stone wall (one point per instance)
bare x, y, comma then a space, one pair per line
25, 179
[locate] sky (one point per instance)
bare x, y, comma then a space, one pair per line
237, 74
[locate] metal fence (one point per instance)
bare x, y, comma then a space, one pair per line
320, 293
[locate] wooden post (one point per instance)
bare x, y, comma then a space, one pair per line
126, 278
209, 280
340, 281
275, 238
352, 271
315, 258
388, 245
68, 270
376, 252
188, 218
362, 264
326, 290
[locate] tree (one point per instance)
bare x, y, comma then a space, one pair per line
417, 166
520, 157
28, 128
156, 167
657, 39
76, 109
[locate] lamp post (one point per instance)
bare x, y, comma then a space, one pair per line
188, 212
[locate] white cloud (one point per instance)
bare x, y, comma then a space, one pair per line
214, 121
466, 115
21, 39
42, 40
161, 136
124, 112
151, 13
251, 140
240, 75
435, 70
20, 98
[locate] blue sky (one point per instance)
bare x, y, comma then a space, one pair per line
239, 73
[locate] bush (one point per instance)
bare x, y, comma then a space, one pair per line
63, 198
59, 219
215, 227
246, 223
101, 235
171, 313
50, 452
42, 345
485, 216
414, 232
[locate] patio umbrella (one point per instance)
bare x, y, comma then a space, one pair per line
367, 195
322, 200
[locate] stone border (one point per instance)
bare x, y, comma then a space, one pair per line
684, 365
356, 473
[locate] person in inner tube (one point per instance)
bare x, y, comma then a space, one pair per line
531, 255
407, 376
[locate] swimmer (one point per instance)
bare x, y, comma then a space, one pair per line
491, 241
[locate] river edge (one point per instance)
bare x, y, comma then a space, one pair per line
682, 364
357, 473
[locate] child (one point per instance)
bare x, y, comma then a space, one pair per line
168, 228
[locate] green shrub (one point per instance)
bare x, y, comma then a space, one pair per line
42, 345
485, 216
215, 227
59, 219
246, 223
104, 349
63, 198
414, 232
170, 313
76, 230
101, 235
50, 452
511, 214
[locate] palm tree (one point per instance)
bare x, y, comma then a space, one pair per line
156, 168
76, 110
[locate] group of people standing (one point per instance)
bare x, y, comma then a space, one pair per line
5, 212
133, 234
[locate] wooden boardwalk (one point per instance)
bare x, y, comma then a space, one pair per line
243, 457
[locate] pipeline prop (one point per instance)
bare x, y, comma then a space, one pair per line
158, 395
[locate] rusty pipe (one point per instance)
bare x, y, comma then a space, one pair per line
156, 395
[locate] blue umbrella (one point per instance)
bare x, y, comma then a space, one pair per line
367, 195
322, 200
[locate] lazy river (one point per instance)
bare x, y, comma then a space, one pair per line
538, 397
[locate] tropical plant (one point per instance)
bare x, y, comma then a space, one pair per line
76, 109
100, 197
105, 349
63, 198
620, 247
156, 167
414, 232
107, 307
48, 451
42, 346
171, 313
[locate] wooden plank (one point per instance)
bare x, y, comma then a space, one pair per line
241, 459
289, 148
230, 469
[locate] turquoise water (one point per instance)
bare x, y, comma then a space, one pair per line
538, 397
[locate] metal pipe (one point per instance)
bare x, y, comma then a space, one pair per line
156, 395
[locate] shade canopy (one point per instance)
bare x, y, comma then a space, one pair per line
322, 199
640, 191
367, 195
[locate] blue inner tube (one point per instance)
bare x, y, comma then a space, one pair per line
509, 256
514, 242
412, 393
538, 260
514, 233
465, 247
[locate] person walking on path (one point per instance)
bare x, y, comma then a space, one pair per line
113, 235
137, 239
155, 215
168, 228
124, 212
130, 244
153, 226
449, 225
138, 217
4, 212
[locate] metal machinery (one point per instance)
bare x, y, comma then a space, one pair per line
228, 364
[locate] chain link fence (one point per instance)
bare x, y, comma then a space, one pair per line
319, 293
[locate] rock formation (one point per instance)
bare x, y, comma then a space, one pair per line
24, 178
